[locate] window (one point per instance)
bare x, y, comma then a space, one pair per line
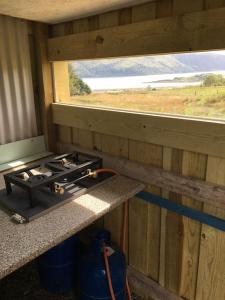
191, 84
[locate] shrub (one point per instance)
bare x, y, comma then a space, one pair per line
214, 80
77, 85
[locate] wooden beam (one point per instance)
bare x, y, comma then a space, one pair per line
46, 92
202, 191
197, 135
147, 288
61, 81
196, 31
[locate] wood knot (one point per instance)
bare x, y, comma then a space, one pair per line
99, 39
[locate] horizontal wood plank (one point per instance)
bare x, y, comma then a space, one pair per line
197, 135
200, 190
197, 31
148, 288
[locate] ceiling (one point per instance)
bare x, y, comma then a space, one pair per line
55, 11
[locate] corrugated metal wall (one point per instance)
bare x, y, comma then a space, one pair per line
17, 110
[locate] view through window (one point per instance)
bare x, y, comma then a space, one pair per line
191, 84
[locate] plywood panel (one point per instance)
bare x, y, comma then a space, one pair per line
144, 246
211, 279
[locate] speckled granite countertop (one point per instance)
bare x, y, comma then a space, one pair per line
21, 243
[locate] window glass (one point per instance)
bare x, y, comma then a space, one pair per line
191, 84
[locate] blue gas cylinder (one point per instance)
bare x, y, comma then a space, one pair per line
58, 266
92, 277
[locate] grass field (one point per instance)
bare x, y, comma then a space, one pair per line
191, 101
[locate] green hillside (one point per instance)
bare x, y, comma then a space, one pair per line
148, 65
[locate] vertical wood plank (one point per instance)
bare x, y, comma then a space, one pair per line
125, 16
138, 235
109, 19
75, 132
211, 274
183, 6
113, 220
80, 25
174, 234
61, 81
68, 27
85, 138
210, 4
56, 30
215, 174
144, 246
144, 12
115, 145
97, 143
167, 162
194, 165
93, 23
164, 8
64, 134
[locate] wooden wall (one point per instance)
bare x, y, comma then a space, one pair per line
182, 255
139, 13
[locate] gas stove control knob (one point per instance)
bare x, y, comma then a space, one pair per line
18, 218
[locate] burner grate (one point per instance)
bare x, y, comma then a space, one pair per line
55, 178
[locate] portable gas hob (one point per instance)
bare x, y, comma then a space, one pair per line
35, 190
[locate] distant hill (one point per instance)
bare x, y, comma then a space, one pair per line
151, 65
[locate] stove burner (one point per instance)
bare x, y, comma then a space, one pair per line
50, 183
36, 178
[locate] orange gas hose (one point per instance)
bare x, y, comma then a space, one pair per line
123, 240
108, 273
106, 171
